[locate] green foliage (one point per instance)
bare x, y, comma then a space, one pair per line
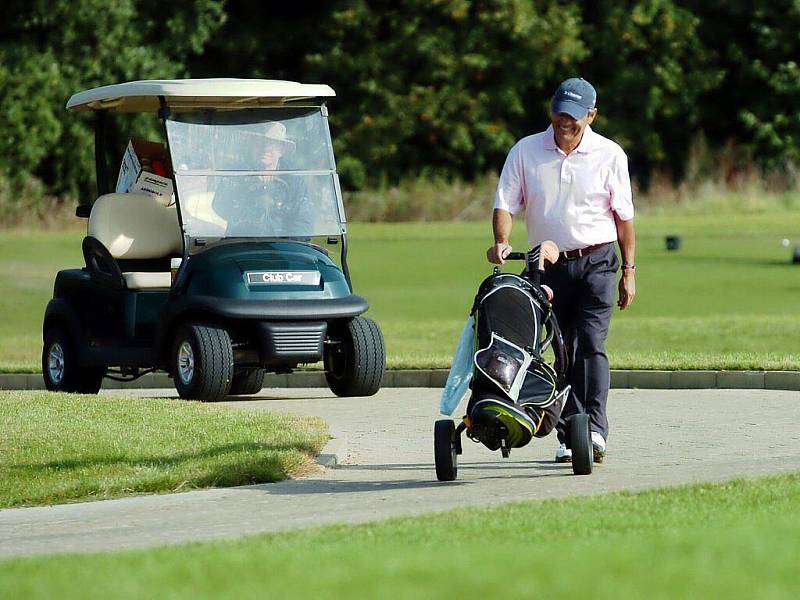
419, 199
651, 70
439, 88
52, 49
756, 47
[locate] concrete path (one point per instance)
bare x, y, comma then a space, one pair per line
659, 438
405, 378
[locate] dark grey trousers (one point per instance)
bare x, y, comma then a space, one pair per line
585, 294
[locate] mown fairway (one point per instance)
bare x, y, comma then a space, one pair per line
733, 540
727, 299
57, 447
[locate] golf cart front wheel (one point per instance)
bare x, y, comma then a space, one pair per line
580, 439
61, 369
202, 362
445, 450
355, 359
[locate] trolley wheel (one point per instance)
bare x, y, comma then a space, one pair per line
580, 441
445, 451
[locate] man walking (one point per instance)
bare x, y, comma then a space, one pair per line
574, 188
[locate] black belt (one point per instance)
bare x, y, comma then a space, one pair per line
571, 254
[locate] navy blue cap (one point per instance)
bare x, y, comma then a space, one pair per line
575, 96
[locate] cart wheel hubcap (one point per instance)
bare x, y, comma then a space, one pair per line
186, 363
55, 363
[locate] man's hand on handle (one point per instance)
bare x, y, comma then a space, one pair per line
497, 254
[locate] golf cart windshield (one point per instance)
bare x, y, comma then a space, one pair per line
255, 172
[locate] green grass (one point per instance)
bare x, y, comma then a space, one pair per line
728, 299
56, 447
28, 264
732, 540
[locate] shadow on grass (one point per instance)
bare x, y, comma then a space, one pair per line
114, 477
172, 471
170, 460
260, 470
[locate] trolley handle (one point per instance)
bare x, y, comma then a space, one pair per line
532, 258
532, 263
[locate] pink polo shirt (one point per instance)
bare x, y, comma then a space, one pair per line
568, 199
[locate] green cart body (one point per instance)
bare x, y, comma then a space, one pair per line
223, 273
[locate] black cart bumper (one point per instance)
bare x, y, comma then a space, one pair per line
291, 343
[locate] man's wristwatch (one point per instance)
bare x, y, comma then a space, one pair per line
628, 267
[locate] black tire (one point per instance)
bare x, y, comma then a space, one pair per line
202, 362
444, 450
580, 439
247, 382
60, 367
355, 362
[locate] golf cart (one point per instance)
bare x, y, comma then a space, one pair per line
216, 271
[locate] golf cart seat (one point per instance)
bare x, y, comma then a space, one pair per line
130, 240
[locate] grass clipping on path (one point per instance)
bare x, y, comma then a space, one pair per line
731, 540
57, 447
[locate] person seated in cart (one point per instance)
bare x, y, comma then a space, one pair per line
265, 201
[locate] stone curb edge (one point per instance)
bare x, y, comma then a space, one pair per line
436, 378
334, 452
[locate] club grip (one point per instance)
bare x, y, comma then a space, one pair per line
515, 256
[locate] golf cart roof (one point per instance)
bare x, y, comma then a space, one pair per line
187, 94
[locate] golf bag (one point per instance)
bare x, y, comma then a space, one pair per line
516, 394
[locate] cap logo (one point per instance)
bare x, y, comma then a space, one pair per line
572, 95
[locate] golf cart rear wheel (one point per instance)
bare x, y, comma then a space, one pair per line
202, 362
60, 367
580, 439
355, 359
246, 382
444, 450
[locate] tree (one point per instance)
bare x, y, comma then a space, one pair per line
439, 88
52, 49
651, 68
756, 46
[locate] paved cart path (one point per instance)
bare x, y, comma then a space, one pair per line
659, 438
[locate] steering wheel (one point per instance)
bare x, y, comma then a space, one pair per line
275, 205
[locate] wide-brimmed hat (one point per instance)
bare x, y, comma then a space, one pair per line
276, 131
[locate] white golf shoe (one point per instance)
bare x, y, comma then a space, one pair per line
598, 447
563, 454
